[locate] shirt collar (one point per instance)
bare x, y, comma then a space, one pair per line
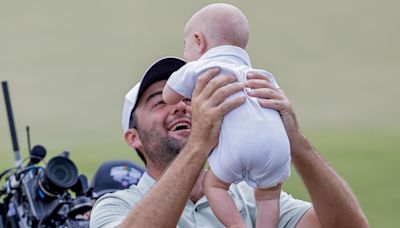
146, 182
228, 50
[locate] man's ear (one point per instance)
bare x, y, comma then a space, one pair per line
132, 138
201, 42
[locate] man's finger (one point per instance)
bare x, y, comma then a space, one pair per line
265, 93
203, 80
223, 92
271, 103
257, 75
215, 84
230, 104
259, 83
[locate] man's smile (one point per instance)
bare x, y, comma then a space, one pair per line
180, 126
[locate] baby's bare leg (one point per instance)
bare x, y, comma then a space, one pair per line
267, 201
220, 201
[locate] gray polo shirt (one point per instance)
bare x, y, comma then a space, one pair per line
111, 209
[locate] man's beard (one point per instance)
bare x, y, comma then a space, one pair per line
160, 149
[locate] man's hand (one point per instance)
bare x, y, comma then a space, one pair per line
209, 105
271, 97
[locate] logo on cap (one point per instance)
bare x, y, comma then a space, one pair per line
125, 175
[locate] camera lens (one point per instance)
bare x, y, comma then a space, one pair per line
59, 175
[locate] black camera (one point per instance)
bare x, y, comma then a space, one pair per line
41, 196
36, 196
60, 175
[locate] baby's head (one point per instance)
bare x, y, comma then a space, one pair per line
214, 25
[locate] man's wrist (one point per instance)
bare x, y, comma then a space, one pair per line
199, 149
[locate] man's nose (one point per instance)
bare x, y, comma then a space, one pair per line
181, 106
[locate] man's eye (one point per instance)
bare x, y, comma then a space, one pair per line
158, 103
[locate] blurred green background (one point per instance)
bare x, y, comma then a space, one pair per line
69, 64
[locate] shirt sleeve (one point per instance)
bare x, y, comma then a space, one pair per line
291, 209
183, 80
111, 209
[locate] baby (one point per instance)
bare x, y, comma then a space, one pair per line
253, 145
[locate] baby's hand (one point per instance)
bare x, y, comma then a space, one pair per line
170, 96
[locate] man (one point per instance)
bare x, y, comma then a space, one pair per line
175, 141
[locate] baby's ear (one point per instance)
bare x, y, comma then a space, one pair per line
201, 42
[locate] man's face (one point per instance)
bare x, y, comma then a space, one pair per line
163, 129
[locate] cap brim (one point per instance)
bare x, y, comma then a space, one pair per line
159, 70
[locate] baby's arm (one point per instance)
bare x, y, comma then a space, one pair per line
170, 96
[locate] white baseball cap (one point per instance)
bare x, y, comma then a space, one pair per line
159, 70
